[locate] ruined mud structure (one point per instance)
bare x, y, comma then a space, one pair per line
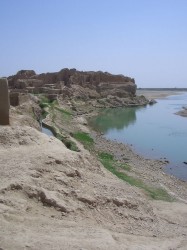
70, 82
4, 102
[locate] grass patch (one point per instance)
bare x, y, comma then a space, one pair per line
122, 166
158, 194
84, 138
106, 157
68, 143
66, 116
47, 107
46, 103
50, 107
63, 111
109, 163
44, 99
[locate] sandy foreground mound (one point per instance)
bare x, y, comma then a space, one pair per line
53, 198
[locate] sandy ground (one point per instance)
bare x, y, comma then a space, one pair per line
53, 198
156, 94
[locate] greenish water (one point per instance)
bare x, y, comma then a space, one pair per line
153, 131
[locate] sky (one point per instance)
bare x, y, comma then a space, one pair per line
142, 39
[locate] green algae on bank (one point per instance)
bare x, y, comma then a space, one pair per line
109, 163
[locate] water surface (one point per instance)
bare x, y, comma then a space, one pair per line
153, 131
47, 131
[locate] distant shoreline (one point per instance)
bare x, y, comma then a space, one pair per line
153, 93
163, 89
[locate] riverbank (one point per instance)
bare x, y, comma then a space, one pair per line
53, 198
149, 171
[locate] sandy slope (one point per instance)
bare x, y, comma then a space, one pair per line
53, 198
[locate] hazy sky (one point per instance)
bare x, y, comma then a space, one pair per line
144, 39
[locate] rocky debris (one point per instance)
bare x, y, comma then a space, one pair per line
122, 202
81, 120
183, 112
72, 173
152, 101
48, 198
4, 102
87, 199
12, 186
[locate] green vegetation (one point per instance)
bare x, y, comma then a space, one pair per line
84, 138
67, 142
45, 104
109, 159
123, 166
52, 106
66, 116
49, 107
106, 156
109, 163
63, 111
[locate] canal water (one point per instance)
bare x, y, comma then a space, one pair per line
46, 131
152, 131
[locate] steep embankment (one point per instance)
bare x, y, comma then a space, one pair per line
54, 198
